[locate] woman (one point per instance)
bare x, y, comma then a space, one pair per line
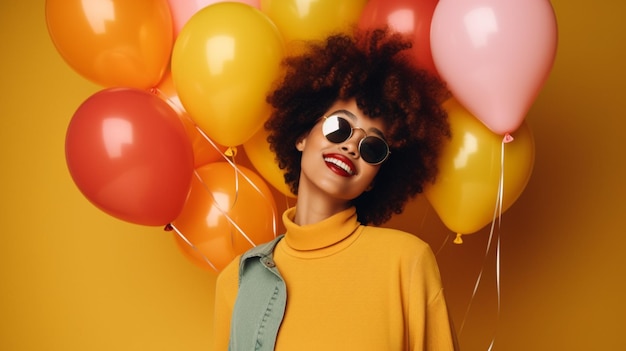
357, 130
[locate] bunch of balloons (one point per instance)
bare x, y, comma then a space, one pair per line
184, 84
495, 56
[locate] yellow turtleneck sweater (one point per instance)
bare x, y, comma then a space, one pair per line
350, 287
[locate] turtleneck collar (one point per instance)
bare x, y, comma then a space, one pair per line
327, 235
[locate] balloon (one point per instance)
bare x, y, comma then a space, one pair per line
409, 17
263, 159
167, 91
182, 10
113, 42
224, 63
495, 55
465, 192
312, 19
128, 153
219, 193
204, 151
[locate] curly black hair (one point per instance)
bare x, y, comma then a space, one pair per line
371, 67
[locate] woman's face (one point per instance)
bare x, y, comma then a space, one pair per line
337, 169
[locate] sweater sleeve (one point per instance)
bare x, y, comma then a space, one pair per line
225, 295
440, 333
430, 324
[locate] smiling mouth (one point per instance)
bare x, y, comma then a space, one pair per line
340, 165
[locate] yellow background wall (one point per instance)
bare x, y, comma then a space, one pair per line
73, 278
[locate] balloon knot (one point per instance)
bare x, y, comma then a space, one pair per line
168, 227
231, 151
507, 138
458, 239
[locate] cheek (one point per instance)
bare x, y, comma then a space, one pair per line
369, 173
311, 159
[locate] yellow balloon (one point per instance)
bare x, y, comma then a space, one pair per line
313, 19
263, 159
466, 190
224, 62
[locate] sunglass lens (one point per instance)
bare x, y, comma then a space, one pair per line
336, 129
373, 150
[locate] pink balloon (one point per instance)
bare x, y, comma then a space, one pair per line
495, 55
409, 17
182, 10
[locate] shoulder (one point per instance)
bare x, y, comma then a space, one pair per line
395, 238
399, 245
262, 250
227, 282
230, 272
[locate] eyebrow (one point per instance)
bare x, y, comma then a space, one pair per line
353, 117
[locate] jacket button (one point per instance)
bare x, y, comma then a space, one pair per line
268, 262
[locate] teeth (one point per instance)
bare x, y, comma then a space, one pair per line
340, 164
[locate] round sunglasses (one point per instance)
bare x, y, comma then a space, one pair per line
373, 149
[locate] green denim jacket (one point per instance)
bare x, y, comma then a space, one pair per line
261, 301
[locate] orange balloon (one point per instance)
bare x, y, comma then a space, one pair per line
466, 190
263, 159
114, 42
312, 19
225, 215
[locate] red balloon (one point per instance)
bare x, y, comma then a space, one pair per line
129, 154
225, 215
410, 17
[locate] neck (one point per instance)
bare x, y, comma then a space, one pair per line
313, 207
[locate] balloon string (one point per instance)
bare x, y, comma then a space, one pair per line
497, 218
194, 247
445, 241
180, 110
224, 213
236, 183
287, 204
254, 186
424, 219
507, 139
236, 198
174, 103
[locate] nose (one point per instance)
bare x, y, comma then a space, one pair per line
351, 146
